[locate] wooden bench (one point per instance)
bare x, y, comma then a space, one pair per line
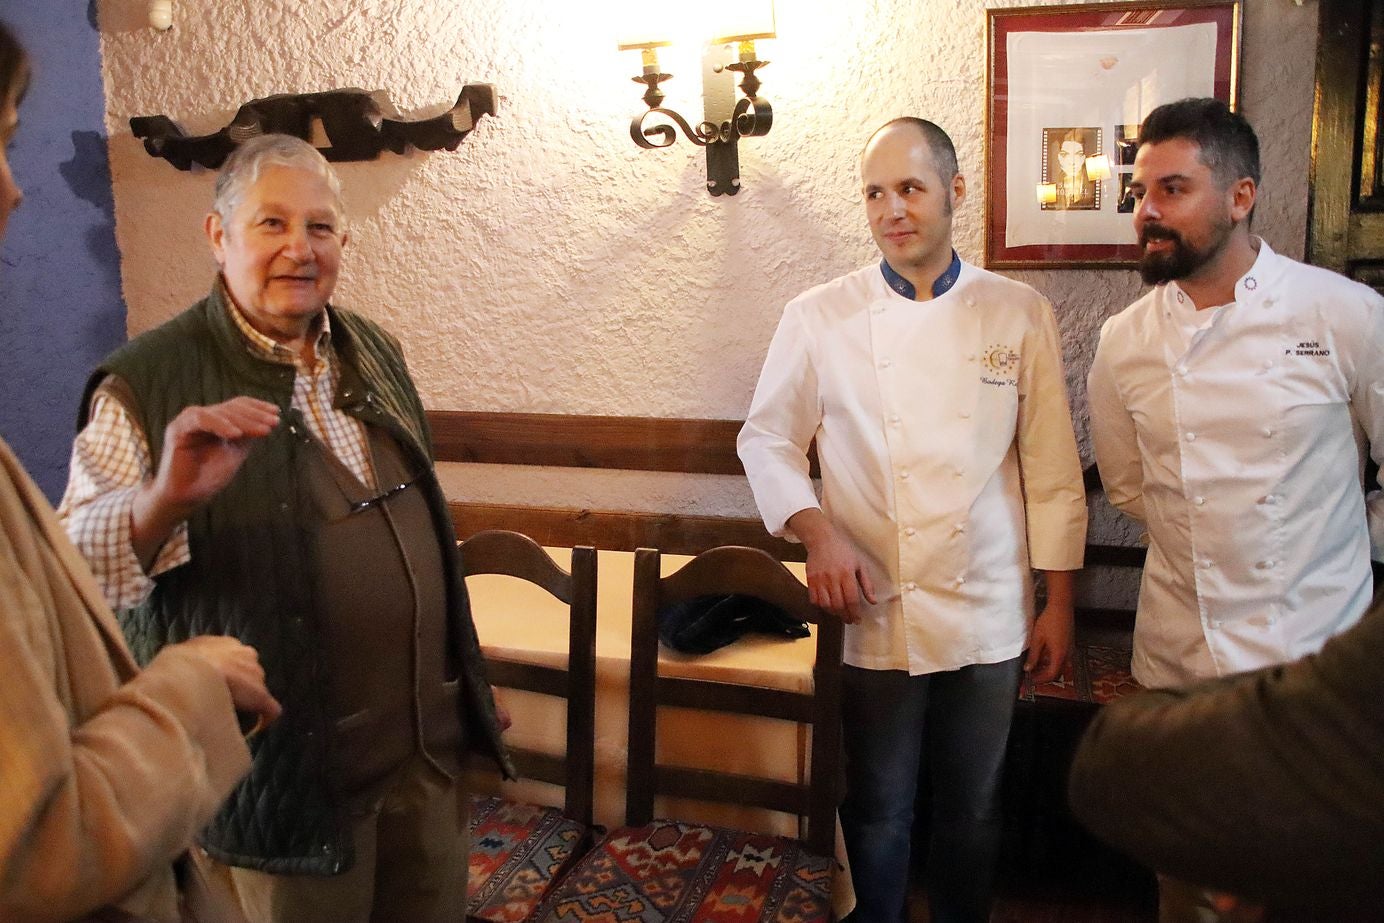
692, 447
707, 447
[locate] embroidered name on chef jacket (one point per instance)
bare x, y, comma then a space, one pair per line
1307, 348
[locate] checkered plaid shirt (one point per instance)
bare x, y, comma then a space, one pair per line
110, 461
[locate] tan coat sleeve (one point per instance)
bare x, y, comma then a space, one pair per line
104, 784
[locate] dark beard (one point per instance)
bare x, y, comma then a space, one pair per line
1182, 260
1166, 265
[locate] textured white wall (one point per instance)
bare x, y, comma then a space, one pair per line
549, 265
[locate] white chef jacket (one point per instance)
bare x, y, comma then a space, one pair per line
946, 451
1242, 451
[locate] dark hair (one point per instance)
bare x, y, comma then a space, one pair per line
1228, 144
14, 66
943, 151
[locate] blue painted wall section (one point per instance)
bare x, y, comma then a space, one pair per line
61, 309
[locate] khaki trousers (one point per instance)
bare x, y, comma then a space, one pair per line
411, 859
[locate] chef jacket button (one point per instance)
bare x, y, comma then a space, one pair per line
1214, 624
960, 581
1269, 499
910, 586
971, 357
1204, 564
1191, 437
884, 363
1264, 565
959, 527
1268, 432
1199, 501
970, 302
904, 475
1182, 371
960, 472
964, 414
894, 420
910, 531
1268, 363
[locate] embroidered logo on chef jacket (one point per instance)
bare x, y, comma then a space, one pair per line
1001, 360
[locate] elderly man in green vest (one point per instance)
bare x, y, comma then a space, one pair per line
259, 466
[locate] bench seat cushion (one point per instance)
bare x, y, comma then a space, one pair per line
669, 872
518, 851
1099, 674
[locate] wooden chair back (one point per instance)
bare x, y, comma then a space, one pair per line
751, 571
515, 555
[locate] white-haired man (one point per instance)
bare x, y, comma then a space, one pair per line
259, 467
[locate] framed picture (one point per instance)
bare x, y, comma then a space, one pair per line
1068, 89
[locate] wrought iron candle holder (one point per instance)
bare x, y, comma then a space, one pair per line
752, 117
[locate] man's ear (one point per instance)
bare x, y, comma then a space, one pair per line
958, 189
216, 233
1243, 193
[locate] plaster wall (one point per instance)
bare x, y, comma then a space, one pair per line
551, 266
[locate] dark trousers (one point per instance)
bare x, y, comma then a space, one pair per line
964, 716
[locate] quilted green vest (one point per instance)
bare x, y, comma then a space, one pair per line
249, 574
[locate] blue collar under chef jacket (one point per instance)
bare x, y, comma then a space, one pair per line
905, 288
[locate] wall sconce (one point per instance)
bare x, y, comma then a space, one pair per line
1047, 193
161, 14
719, 131
1098, 167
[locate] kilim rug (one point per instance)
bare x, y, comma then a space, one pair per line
517, 852
671, 872
1098, 675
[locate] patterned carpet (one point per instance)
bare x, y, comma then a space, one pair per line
1099, 674
671, 872
517, 852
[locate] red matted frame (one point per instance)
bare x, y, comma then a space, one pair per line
1005, 101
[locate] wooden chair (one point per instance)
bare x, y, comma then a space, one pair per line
519, 850
670, 870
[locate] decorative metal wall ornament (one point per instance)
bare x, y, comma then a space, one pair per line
358, 124
751, 118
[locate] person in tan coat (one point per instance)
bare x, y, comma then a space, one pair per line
106, 771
